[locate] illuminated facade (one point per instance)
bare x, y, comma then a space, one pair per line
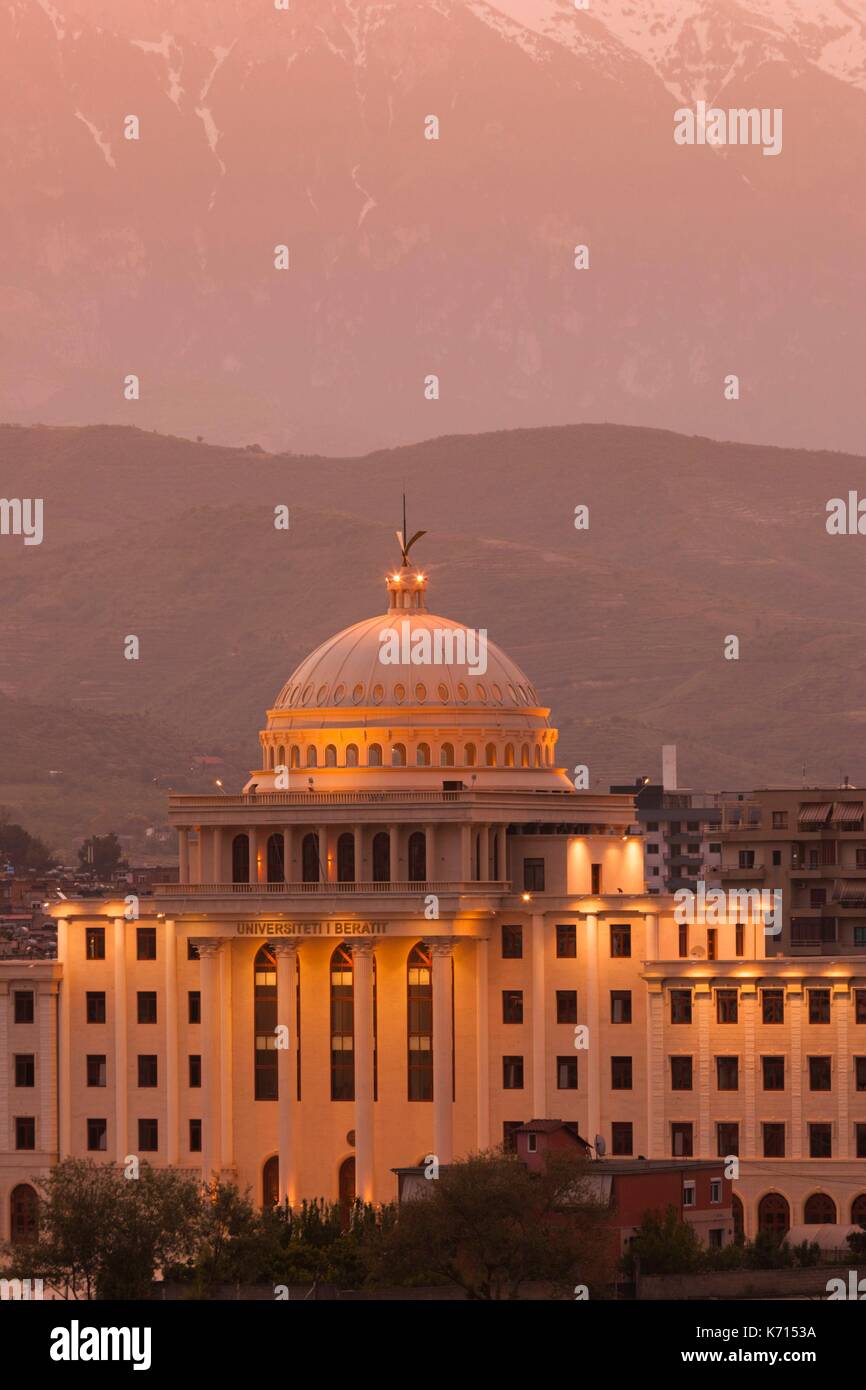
407, 936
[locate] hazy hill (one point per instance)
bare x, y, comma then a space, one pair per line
620, 627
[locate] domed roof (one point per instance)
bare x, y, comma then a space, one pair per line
408, 657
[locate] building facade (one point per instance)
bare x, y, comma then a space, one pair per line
408, 936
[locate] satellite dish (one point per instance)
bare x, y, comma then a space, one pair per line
600, 1146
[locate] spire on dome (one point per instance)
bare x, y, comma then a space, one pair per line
406, 587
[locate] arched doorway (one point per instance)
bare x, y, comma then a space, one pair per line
858, 1210
347, 1190
381, 857
24, 1210
240, 859
276, 872
310, 859
346, 858
417, 856
271, 1182
774, 1215
820, 1210
739, 1220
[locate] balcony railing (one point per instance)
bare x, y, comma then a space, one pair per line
218, 890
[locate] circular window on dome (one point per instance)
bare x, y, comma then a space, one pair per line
497, 692
512, 692
339, 692
444, 692
523, 695
296, 695
462, 692
307, 695
399, 693
531, 689
323, 694
481, 692
420, 693
358, 693
378, 692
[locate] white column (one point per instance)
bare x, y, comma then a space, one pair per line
362, 994
64, 1067
217, 871
539, 1029
121, 1070
430, 852
484, 854
196, 858
501, 852
4, 1072
286, 953
841, 999
593, 1022
287, 854
482, 1046
171, 1044
227, 1150
652, 936
748, 1005
324, 871
443, 1090
794, 1016
253, 837
466, 853
703, 1005
46, 1138
656, 1078
394, 849
211, 1158
358, 832
183, 853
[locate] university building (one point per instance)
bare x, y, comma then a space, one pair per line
409, 936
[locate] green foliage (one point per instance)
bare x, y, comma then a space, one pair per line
22, 850
664, 1245
102, 854
857, 1242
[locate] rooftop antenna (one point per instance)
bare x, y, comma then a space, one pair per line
406, 545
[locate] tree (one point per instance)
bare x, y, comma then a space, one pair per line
102, 855
491, 1226
21, 849
664, 1245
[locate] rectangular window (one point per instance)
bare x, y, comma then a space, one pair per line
620, 941
747, 858
726, 1006
860, 1073
195, 1136
739, 939
681, 1140
819, 1006
689, 1194
512, 1006
715, 1191
681, 1073
147, 1069
97, 1070
95, 1006
566, 1006
860, 1137
23, 1006
777, 857
509, 1135
532, 1143
148, 1136
192, 952
533, 875
727, 1139
681, 1006
820, 1141
25, 1069
774, 1073
566, 942
194, 1070
780, 820
683, 945
97, 1136
772, 1006
512, 1073
145, 943
621, 1138
712, 943
774, 1140
620, 1006
620, 1074
194, 1006
512, 943
860, 1006
147, 1006
728, 1073
595, 874
566, 1073
94, 943
819, 1074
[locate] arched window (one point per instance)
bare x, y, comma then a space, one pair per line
342, 1025
241, 859
374, 756
281, 755
270, 757
469, 755
312, 756
265, 1023
398, 755
524, 755
381, 857
310, 858
23, 1213
346, 858
739, 1220
547, 754
330, 756
351, 755
490, 755
346, 1188
295, 756
417, 856
858, 1210
509, 755
271, 1182
446, 755
276, 873
537, 756
820, 1210
774, 1215
419, 992
422, 757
